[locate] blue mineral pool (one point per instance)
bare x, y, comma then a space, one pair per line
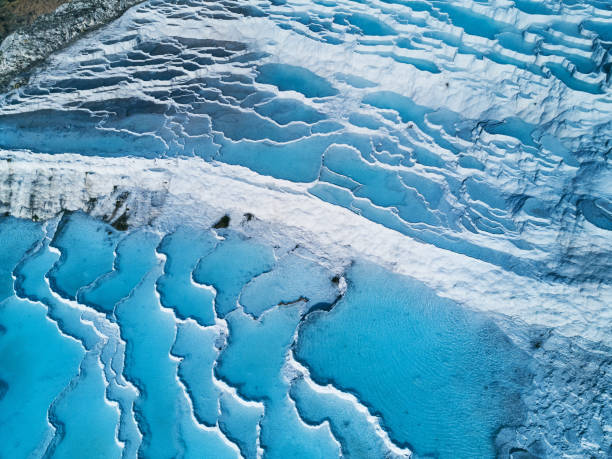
203, 343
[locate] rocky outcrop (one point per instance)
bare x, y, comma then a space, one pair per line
15, 14
29, 46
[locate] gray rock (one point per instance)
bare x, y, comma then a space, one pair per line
27, 47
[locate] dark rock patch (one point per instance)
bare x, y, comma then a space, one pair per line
222, 223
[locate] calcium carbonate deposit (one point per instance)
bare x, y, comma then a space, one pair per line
308, 229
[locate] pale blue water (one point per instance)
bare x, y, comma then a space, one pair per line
252, 362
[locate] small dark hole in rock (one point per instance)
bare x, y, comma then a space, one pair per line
121, 224
223, 222
91, 203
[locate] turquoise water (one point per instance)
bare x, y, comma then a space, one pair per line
253, 362
176, 288
36, 360
248, 260
293, 78
163, 411
201, 343
37, 363
18, 236
87, 252
418, 361
134, 257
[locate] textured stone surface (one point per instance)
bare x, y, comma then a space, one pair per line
47, 33
18, 13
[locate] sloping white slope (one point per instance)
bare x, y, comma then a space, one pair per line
167, 192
